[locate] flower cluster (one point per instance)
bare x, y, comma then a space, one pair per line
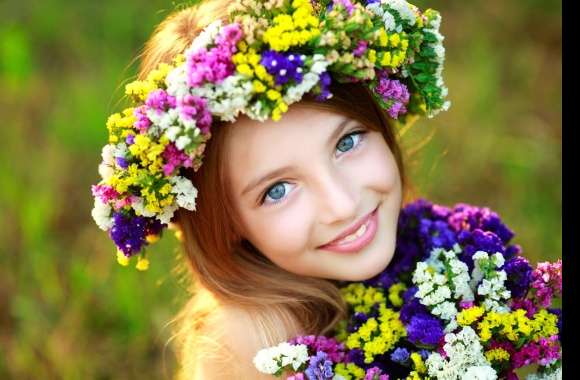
458, 301
259, 59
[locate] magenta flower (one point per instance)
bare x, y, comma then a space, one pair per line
194, 107
215, 64
394, 93
174, 158
142, 124
104, 192
547, 281
160, 101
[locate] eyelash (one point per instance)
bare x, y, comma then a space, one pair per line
360, 133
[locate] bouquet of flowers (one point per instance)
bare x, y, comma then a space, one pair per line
458, 301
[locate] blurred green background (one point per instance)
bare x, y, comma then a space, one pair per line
69, 311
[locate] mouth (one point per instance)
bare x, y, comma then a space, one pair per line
357, 237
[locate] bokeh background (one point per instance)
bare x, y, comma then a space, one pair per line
69, 311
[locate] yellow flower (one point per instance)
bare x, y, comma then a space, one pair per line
122, 259
151, 238
468, 316
418, 364
383, 37
372, 55
497, 354
395, 39
245, 69
142, 264
273, 94
395, 294
349, 371
120, 125
361, 297
386, 59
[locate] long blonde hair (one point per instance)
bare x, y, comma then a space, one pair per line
225, 267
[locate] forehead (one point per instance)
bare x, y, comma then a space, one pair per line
255, 147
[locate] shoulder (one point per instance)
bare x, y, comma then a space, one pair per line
230, 340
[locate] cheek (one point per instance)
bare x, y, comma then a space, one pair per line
378, 169
282, 236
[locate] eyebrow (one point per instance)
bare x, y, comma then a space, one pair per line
275, 173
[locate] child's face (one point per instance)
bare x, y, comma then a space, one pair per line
335, 180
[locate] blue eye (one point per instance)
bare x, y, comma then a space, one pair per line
346, 143
275, 192
349, 140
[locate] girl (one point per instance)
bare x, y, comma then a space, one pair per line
285, 208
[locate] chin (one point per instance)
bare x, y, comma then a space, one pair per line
371, 268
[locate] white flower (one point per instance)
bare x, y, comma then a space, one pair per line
182, 142
270, 360
464, 356
206, 37
108, 154
185, 192
491, 284
176, 82
101, 213
553, 374
228, 98
481, 372
106, 171
167, 213
265, 361
404, 9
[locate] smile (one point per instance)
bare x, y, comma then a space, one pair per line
358, 240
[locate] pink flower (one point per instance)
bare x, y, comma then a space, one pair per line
174, 158
104, 192
547, 281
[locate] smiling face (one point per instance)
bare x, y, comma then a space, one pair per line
301, 182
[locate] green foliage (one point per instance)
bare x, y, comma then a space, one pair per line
69, 311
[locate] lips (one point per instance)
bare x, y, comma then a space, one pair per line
351, 230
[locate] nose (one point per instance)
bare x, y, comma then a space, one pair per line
338, 198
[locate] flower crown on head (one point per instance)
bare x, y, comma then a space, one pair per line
268, 55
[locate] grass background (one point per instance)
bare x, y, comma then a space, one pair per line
68, 311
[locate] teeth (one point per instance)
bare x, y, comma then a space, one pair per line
360, 232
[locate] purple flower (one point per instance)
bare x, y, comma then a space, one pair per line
319, 368
283, 66
357, 320
400, 355
129, 231
122, 162
425, 329
412, 306
478, 240
393, 92
467, 217
324, 84
435, 234
519, 276
130, 140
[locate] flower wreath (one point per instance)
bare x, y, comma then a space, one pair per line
265, 56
